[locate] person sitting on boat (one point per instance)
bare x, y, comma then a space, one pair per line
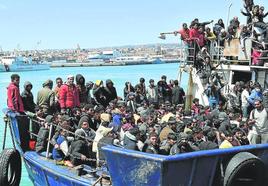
239, 135
87, 115
211, 142
69, 97
89, 133
81, 88
170, 128
110, 91
46, 98
128, 88
151, 146
14, 100
41, 143
131, 104
166, 145
131, 139
227, 142
182, 145
79, 149
101, 131
195, 109
60, 149
108, 138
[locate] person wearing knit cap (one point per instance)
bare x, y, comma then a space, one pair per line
79, 150
46, 98
41, 143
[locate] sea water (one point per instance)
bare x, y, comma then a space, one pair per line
118, 74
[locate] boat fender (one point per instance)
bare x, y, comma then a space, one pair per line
244, 169
10, 167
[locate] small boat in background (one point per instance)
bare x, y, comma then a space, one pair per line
20, 63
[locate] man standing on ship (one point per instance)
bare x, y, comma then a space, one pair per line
259, 122
14, 100
46, 98
14, 103
69, 97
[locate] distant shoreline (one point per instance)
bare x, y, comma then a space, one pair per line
96, 64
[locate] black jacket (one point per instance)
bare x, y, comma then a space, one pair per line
78, 147
41, 144
28, 99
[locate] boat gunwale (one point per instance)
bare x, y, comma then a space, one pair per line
184, 156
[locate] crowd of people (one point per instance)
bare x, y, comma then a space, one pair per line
200, 36
152, 118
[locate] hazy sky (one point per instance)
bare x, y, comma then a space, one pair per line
98, 23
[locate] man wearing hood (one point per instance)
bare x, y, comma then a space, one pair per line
111, 93
46, 98
14, 100
79, 150
27, 97
81, 88
100, 93
87, 116
41, 143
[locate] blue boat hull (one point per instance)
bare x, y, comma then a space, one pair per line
199, 168
44, 172
128, 167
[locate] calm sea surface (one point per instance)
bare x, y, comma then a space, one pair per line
119, 75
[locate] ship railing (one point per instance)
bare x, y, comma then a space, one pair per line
41, 122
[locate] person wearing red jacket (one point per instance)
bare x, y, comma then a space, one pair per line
185, 34
14, 103
68, 95
14, 100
